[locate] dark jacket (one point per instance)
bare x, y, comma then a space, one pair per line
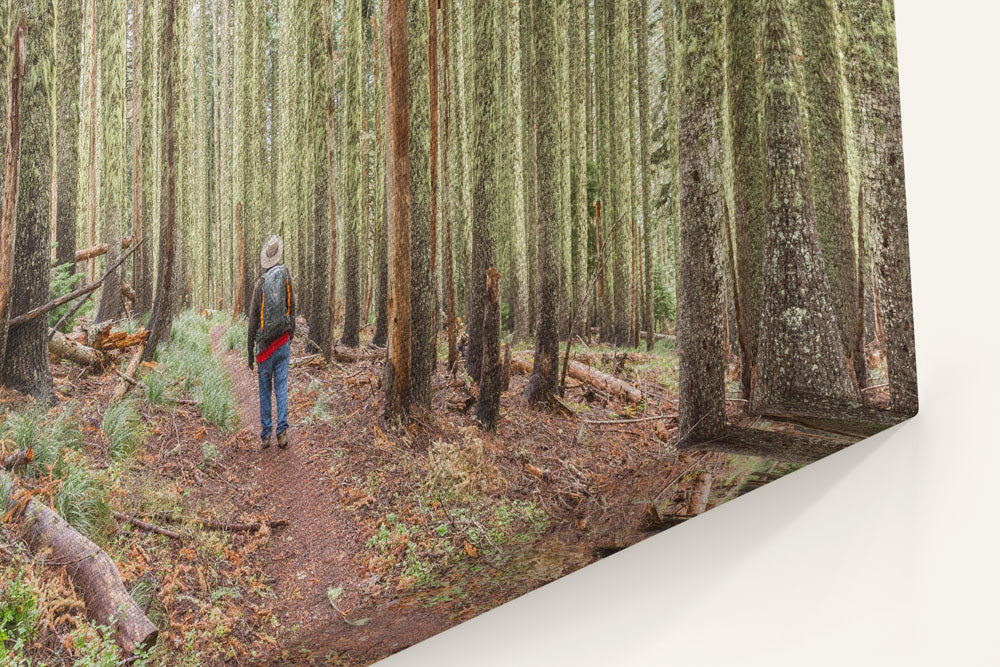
254, 316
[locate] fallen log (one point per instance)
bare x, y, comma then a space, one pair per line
146, 526
128, 377
128, 292
698, 502
86, 289
226, 526
98, 250
108, 340
591, 376
65, 348
346, 354
92, 571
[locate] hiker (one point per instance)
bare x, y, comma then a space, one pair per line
271, 327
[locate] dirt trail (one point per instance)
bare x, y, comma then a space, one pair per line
317, 550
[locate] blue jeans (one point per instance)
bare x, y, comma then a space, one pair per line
273, 372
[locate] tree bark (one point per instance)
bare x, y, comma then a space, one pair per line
161, 316
800, 352
397, 368
642, 53
26, 362
744, 71
64, 348
701, 365
67, 91
12, 178
545, 374
491, 378
354, 188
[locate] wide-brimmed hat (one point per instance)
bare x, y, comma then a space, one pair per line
270, 254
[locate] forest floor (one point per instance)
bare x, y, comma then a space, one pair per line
394, 534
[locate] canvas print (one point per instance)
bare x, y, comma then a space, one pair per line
327, 325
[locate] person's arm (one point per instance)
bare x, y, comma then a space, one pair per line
253, 322
291, 300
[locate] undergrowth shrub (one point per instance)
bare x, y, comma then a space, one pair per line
235, 337
156, 385
189, 356
123, 428
80, 496
62, 281
18, 618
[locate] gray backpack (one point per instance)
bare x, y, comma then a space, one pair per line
275, 305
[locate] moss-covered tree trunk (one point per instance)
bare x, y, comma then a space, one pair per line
353, 187
545, 373
528, 153
743, 22
801, 363
111, 33
67, 39
648, 229
319, 321
486, 122
874, 81
701, 368
619, 223
424, 332
162, 313
828, 169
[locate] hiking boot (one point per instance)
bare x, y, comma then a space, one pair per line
283, 439
265, 442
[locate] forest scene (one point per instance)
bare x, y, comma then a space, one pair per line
544, 278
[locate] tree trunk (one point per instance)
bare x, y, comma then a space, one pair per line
701, 364
422, 206
92, 571
642, 53
545, 374
12, 178
111, 33
485, 172
397, 368
67, 89
238, 307
319, 318
874, 79
26, 362
64, 348
354, 188
161, 316
801, 358
447, 247
618, 222
491, 377
743, 21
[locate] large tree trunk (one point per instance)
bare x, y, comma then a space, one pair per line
743, 22
545, 375
526, 37
486, 121
26, 361
828, 166
874, 79
319, 317
161, 316
397, 368
382, 256
422, 205
702, 386
12, 178
801, 357
92, 571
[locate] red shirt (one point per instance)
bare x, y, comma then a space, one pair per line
278, 342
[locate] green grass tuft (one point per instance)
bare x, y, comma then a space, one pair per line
123, 428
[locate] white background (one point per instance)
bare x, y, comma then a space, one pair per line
884, 554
